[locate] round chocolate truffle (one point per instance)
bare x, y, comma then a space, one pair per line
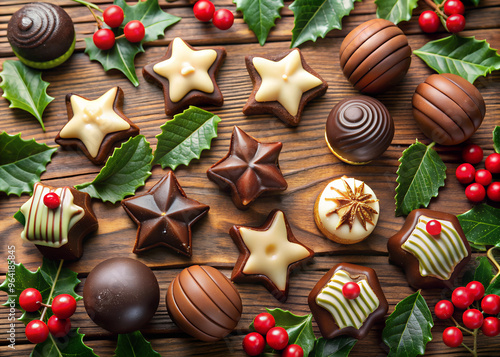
448, 109
375, 56
359, 129
41, 35
121, 295
204, 303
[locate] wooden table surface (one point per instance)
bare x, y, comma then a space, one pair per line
306, 162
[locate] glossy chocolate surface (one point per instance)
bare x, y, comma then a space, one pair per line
359, 129
324, 318
249, 169
375, 56
448, 109
204, 303
121, 295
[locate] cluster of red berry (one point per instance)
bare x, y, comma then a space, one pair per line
113, 16
204, 10
63, 307
466, 173
452, 11
275, 336
462, 298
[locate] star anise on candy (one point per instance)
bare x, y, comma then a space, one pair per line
353, 204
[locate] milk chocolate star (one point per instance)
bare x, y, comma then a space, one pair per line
249, 169
283, 85
95, 126
268, 253
164, 215
187, 76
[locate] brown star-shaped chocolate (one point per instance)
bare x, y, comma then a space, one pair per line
187, 76
164, 215
249, 169
268, 254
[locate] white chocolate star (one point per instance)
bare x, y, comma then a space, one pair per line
271, 252
186, 70
284, 81
92, 120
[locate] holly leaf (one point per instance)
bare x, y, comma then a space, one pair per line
70, 345
125, 171
315, 18
21, 163
260, 15
64, 283
481, 225
134, 344
339, 346
395, 10
420, 174
184, 137
481, 272
464, 56
408, 329
24, 88
493, 288
496, 139
121, 56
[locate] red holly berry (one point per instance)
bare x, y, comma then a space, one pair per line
493, 192
51, 200
491, 326
444, 309
36, 331
293, 351
462, 298
476, 289
492, 163
30, 299
452, 7
433, 227
104, 39
452, 337
465, 173
204, 10
134, 31
113, 16
351, 290
277, 338
63, 306
483, 177
428, 21
455, 23
58, 327
263, 322
472, 318
254, 344
475, 192
223, 19
473, 154
491, 304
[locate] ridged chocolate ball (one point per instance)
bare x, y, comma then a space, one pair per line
359, 129
448, 109
202, 302
375, 56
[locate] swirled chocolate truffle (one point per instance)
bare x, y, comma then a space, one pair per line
375, 56
359, 129
448, 109
41, 35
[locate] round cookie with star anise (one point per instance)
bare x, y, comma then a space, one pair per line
346, 211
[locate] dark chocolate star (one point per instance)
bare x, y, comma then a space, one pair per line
164, 215
249, 169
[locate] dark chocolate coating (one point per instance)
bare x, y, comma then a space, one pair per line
40, 32
121, 295
375, 56
202, 302
324, 318
409, 262
359, 129
448, 109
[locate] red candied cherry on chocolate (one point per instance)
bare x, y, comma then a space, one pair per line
476, 289
462, 298
293, 350
30, 299
51, 200
134, 31
63, 306
113, 16
204, 10
483, 177
223, 19
492, 163
475, 192
104, 39
36, 331
473, 154
491, 326
58, 327
433, 227
491, 304
472, 318
465, 173
452, 7
493, 192
444, 309
351, 290
263, 322
277, 338
452, 337
254, 344
455, 23
428, 21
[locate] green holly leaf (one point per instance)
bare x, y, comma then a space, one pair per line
315, 18
420, 174
395, 10
121, 56
493, 288
64, 283
183, 138
464, 56
481, 225
70, 345
134, 344
125, 171
260, 15
408, 329
496, 139
24, 88
481, 272
21, 163
339, 346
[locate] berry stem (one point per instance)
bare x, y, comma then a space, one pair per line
88, 4
461, 327
474, 351
52, 289
493, 261
433, 6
